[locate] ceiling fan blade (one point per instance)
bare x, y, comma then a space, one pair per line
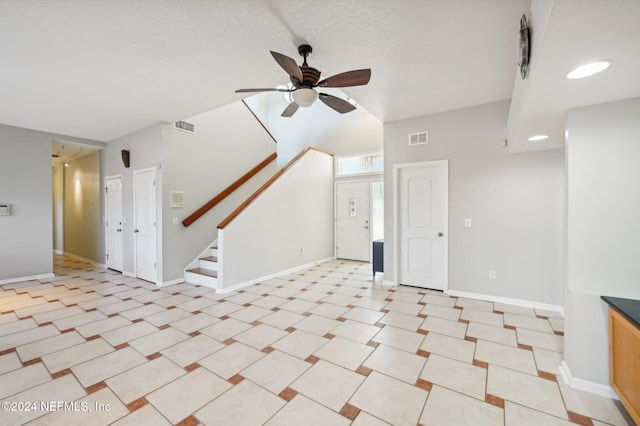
336, 103
270, 89
288, 64
290, 110
346, 79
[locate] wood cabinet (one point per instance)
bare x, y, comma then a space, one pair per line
624, 361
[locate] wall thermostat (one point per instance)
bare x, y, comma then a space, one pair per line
5, 209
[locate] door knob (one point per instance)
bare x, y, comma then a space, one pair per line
119, 230
366, 227
440, 234
135, 231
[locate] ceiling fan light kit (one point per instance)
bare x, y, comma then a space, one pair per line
304, 96
305, 79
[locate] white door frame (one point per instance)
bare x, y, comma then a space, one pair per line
106, 205
396, 225
135, 240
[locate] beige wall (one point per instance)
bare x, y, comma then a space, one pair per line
83, 231
57, 178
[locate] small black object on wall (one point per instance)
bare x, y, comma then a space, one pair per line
125, 158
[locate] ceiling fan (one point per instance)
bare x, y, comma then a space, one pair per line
305, 78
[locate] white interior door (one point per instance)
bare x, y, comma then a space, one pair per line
144, 195
353, 234
113, 224
422, 209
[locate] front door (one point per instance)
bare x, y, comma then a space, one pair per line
144, 195
421, 209
353, 235
113, 225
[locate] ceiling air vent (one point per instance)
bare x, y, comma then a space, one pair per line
185, 127
420, 138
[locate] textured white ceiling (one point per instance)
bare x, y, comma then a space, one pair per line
566, 34
103, 69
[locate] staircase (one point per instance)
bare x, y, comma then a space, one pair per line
206, 272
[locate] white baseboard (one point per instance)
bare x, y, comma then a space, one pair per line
507, 301
128, 274
586, 385
29, 278
170, 282
270, 276
84, 259
56, 251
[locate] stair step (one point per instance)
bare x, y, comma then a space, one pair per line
202, 271
209, 258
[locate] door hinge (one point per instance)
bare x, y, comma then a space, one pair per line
107, 256
154, 183
106, 190
154, 265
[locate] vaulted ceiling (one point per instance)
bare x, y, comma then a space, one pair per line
103, 69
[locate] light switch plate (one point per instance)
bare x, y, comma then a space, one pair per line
5, 209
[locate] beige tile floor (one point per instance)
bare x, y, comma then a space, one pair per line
324, 346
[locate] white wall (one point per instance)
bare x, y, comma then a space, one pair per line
288, 225
228, 143
83, 193
603, 232
317, 126
514, 202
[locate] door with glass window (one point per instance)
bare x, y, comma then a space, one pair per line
353, 227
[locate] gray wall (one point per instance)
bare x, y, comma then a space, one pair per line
83, 229
26, 237
228, 143
146, 151
603, 233
514, 201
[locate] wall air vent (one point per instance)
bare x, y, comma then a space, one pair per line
419, 138
184, 126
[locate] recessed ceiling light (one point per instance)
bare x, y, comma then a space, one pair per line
537, 138
589, 69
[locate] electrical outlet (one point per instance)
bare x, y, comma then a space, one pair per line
492, 275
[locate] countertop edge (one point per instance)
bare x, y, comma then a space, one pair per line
628, 308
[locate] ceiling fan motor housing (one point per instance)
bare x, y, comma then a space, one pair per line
310, 76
